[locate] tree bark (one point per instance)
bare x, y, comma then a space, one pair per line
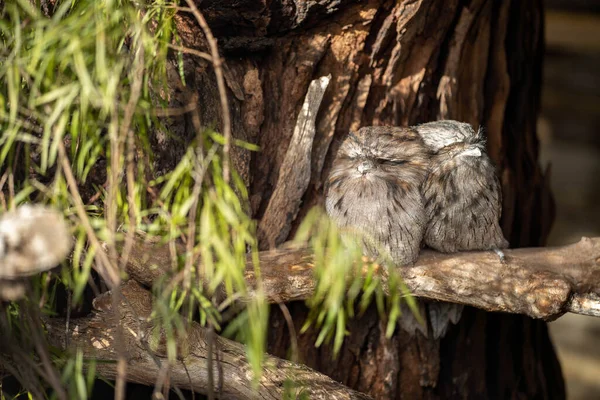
392, 63
540, 282
146, 354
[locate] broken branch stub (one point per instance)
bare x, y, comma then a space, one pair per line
294, 175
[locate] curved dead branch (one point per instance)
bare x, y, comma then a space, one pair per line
146, 355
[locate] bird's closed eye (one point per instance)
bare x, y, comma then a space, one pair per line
392, 162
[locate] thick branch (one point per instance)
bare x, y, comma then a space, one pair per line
538, 282
95, 336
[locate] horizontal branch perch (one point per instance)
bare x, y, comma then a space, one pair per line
95, 336
538, 282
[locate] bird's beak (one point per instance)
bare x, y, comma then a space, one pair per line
472, 152
364, 167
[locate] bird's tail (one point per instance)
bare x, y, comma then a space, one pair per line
441, 314
436, 317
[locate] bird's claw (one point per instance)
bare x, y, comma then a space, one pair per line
500, 254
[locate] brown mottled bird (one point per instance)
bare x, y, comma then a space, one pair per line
462, 198
374, 188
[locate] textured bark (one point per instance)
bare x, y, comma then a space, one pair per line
294, 178
146, 354
542, 282
392, 63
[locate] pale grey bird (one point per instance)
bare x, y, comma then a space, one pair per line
462, 198
374, 187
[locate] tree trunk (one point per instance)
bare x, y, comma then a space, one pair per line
392, 63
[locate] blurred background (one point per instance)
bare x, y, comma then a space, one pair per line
569, 132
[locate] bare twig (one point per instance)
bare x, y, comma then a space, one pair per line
210, 342
126, 131
199, 170
3, 180
174, 112
31, 315
217, 65
586, 304
121, 377
193, 52
110, 203
107, 270
291, 329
